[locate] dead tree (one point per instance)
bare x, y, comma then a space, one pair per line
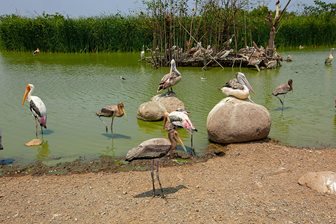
274, 25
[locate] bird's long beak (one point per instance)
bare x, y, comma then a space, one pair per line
25, 95
248, 84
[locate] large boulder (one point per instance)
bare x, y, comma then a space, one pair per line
233, 120
323, 182
170, 103
154, 109
151, 111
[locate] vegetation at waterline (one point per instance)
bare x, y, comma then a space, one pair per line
168, 23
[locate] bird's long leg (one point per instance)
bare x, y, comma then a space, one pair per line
192, 141
112, 124
282, 104
158, 178
106, 128
152, 175
36, 128
41, 131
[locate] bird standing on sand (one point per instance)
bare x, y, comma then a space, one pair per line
111, 111
37, 107
154, 149
180, 118
238, 87
330, 57
170, 79
283, 89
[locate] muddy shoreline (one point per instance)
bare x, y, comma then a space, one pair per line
113, 165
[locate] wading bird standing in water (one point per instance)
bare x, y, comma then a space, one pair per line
154, 149
330, 57
238, 87
283, 89
37, 107
180, 118
170, 79
111, 111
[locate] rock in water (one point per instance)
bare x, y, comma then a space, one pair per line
154, 110
150, 111
170, 103
323, 182
233, 120
34, 142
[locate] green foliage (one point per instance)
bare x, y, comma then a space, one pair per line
168, 23
54, 33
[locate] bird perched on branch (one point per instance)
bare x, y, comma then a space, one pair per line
37, 108
154, 149
283, 89
111, 111
170, 79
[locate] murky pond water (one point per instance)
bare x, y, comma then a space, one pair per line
75, 86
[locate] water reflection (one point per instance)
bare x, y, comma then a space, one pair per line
43, 151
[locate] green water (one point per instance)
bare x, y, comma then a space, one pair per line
75, 86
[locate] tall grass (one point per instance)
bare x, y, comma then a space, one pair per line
212, 24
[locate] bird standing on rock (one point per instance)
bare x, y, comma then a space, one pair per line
238, 87
283, 89
154, 149
170, 79
111, 111
37, 108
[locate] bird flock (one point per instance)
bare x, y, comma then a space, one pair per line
156, 148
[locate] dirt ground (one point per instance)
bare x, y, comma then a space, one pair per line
248, 183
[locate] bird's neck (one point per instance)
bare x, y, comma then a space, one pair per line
172, 140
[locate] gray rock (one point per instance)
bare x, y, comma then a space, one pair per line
323, 182
233, 120
170, 103
151, 111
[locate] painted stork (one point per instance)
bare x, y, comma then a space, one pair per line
238, 87
283, 89
170, 79
154, 149
330, 57
180, 118
37, 107
1, 147
117, 110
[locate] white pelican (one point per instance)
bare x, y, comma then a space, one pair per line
283, 89
180, 118
37, 107
37, 51
238, 87
330, 57
153, 149
111, 111
170, 79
